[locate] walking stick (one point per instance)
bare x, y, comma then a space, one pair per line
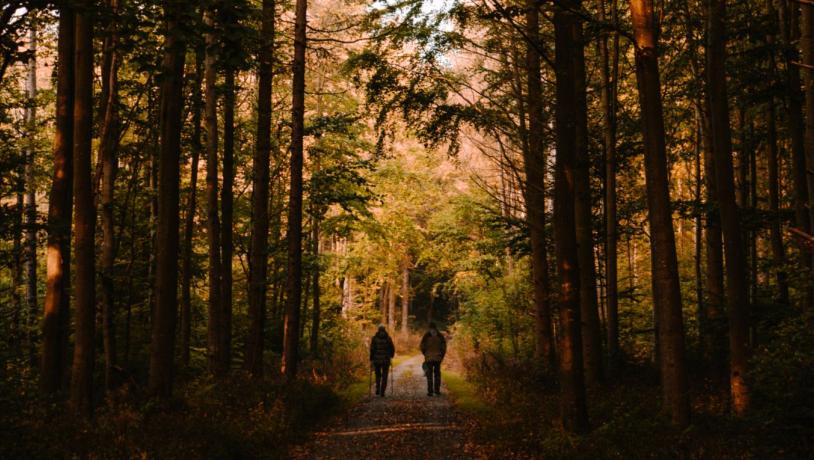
392, 382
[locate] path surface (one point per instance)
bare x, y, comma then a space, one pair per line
405, 424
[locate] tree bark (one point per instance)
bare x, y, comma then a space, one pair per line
294, 236
85, 219
30, 224
166, 281
736, 287
315, 318
589, 304
807, 45
666, 287
775, 227
534, 163
227, 212
53, 366
215, 324
109, 161
259, 250
789, 29
192, 206
609, 70
573, 408
405, 299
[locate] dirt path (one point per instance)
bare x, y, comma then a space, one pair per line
405, 424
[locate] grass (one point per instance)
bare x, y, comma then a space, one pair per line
464, 394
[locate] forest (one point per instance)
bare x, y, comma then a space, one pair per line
208, 208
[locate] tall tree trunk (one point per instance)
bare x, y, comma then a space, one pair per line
666, 286
215, 324
807, 45
391, 306
258, 252
53, 366
573, 408
534, 163
736, 287
107, 155
315, 280
166, 280
405, 299
294, 236
192, 206
789, 29
609, 70
30, 223
85, 219
227, 210
775, 227
589, 305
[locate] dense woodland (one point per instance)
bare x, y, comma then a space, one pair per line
207, 207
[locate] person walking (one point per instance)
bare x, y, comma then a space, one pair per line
434, 348
382, 351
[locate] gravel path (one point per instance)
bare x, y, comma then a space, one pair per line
405, 424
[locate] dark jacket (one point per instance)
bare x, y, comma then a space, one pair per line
433, 347
382, 349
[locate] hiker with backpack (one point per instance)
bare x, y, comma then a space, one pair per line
382, 351
434, 348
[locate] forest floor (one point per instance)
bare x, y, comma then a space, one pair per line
405, 424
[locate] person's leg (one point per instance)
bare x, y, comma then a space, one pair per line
437, 377
378, 368
429, 379
385, 370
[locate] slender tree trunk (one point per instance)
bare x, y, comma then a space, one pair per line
573, 408
789, 29
666, 287
807, 45
109, 161
316, 311
85, 219
259, 250
227, 210
17, 262
215, 325
609, 67
294, 236
30, 225
534, 163
589, 304
53, 366
166, 282
775, 227
391, 306
192, 206
736, 287
405, 299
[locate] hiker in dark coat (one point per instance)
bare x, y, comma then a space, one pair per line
434, 348
382, 351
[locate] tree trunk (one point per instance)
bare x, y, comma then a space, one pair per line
666, 287
227, 210
316, 311
258, 251
215, 324
405, 299
53, 367
572, 386
534, 163
789, 30
807, 45
294, 236
609, 70
589, 305
85, 219
192, 206
775, 227
736, 287
166, 280
30, 223
391, 306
